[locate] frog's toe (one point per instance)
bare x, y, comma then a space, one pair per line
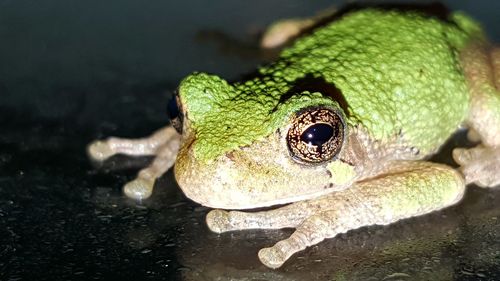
218, 220
479, 165
473, 135
139, 188
282, 31
100, 150
272, 257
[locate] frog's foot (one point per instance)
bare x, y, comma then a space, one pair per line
312, 231
282, 31
279, 33
163, 144
142, 186
480, 165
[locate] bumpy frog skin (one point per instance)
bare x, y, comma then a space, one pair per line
396, 85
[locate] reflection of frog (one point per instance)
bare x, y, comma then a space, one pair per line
338, 126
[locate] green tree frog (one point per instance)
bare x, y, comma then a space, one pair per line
336, 131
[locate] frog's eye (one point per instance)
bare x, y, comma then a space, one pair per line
316, 135
175, 114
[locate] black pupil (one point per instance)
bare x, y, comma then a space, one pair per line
317, 134
173, 108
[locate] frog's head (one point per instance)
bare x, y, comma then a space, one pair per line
251, 145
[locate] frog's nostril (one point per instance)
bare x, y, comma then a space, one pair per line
230, 156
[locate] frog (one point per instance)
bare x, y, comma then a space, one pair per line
337, 132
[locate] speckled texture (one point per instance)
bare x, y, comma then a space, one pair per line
227, 117
398, 72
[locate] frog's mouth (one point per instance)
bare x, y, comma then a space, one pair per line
249, 178
234, 194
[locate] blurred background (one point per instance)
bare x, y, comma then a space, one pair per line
72, 71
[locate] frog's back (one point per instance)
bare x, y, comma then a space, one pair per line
398, 72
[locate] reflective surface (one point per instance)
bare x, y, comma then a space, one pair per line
73, 71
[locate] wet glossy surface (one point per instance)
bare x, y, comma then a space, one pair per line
73, 71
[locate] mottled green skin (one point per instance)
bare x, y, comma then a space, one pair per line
398, 72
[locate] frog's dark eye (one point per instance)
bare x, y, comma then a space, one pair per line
316, 135
175, 114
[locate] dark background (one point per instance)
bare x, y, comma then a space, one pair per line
72, 71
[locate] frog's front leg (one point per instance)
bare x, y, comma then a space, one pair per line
481, 164
101, 150
404, 190
163, 144
288, 216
